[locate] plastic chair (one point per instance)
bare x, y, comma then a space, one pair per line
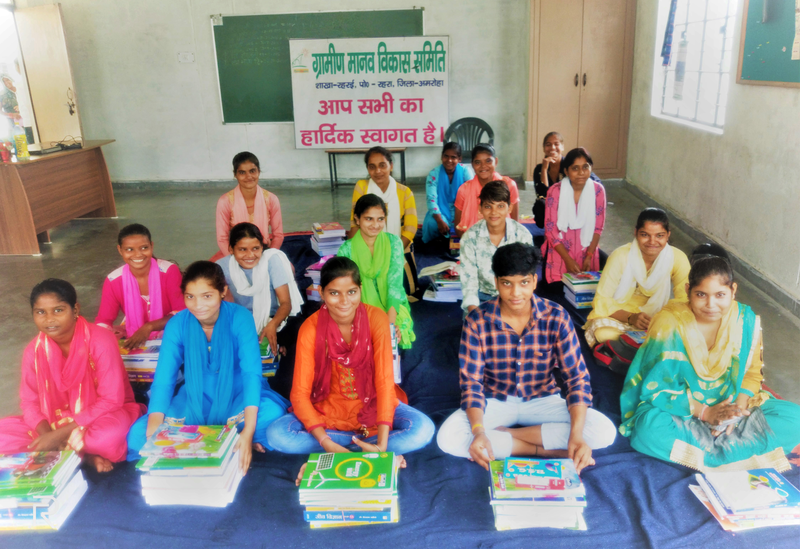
468, 132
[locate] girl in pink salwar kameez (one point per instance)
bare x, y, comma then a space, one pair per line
74, 391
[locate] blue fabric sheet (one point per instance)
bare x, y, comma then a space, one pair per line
633, 500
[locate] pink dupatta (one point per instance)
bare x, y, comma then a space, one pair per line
134, 308
239, 213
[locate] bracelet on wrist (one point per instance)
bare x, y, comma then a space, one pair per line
476, 426
323, 439
702, 412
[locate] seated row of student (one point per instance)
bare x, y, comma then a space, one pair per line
510, 347
482, 240
217, 344
575, 214
637, 279
261, 280
379, 257
248, 202
343, 396
146, 290
698, 373
467, 204
441, 189
74, 392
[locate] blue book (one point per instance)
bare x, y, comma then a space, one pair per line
348, 516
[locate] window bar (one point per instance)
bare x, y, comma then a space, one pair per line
702, 56
724, 42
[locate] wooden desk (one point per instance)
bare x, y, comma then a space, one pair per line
332, 162
49, 190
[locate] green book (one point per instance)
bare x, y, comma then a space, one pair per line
188, 441
36, 473
356, 475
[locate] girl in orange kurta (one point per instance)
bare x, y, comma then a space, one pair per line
343, 396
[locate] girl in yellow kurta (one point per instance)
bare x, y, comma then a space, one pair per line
637, 280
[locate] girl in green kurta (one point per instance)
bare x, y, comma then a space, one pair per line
380, 260
693, 393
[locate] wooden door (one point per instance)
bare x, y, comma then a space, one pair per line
603, 83
52, 88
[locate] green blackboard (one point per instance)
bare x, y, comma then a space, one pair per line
252, 51
765, 55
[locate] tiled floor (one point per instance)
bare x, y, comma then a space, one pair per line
182, 223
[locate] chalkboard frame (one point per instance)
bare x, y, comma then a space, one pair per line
414, 18
742, 64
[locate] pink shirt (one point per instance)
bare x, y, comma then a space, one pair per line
113, 300
273, 235
468, 199
571, 240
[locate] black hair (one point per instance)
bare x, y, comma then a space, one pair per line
653, 215
495, 191
452, 146
483, 147
368, 201
242, 157
338, 267
60, 288
245, 230
516, 259
208, 271
551, 134
382, 150
572, 156
134, 229
710, 259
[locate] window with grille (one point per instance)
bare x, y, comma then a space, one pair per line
693, 61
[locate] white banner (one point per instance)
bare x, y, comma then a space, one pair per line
361, 92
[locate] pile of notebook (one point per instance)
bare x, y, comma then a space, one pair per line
445, 282
269, 360
537, 493
140, 363
579, 288
314, 272
741, 500
455, 242
327, 237
39, 490
349, 489
190, 465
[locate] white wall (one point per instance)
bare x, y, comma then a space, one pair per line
166, 116
742, 187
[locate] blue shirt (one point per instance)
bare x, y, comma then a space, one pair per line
277, 278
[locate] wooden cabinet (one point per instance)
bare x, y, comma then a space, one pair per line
580, 86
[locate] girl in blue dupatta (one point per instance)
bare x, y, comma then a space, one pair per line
693, 393
217, 343
441, 188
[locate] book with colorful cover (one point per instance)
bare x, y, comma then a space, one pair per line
36, 474
394, 517
348, 476
329, 230
752, 491
636, 337
185, 441
583, 281
269, 360
530, 485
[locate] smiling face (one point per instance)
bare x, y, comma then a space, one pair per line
553, 146
247, 175
55, 318
372, 221
450, 160
137, 251
495, 214
652, 238
516, 292
484, 165
711, 299
379, 168
579, 171
342, 296
203, 300
247, 252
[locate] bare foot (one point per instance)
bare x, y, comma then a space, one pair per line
300, 475
258, 447
400, 461
101, 464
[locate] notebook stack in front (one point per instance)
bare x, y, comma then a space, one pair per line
350, 489
190, 465
326, 238
579, 288
140, 363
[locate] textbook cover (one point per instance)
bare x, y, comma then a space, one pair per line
586, 281
35, 472
184, 441
329, 230
528, 484
364, 475
754, 490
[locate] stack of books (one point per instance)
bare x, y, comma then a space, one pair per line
314, 293
349, 489
39, 490
445, 282
455, 242
579, 288
327, 237
314, 272
190, 465
269, 360
741, 500
537, 493
140, 363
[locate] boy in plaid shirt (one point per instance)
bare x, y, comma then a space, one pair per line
509, 348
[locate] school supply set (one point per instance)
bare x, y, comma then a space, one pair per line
39, 490
536, 493
445, 282
350, 489
326, 238
741, 500
314, 272
579, 288
140, 363
190, 465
